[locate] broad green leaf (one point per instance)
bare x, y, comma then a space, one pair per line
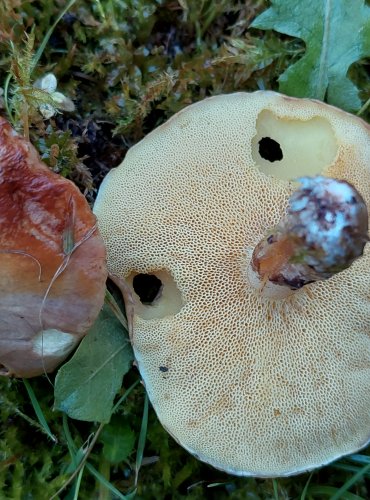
86, 385
118, 439
336, 33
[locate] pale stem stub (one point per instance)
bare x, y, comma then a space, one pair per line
324, 231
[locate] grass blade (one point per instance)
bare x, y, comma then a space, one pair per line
107, 484
349, 468
330, 492
6, 97
70, 443
348, 484
78, 484
82, 462
363, 108
44, 42
110, 300
142, 439
77, 455
304, 491
126, 394
39, 414
359, 459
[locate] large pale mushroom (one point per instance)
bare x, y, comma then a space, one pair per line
52, 262
250, 379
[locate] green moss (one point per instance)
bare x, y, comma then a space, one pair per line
129, 65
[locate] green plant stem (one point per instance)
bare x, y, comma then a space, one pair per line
104, 470
142, 439
304, 491
125, 395
363, 108
25, 120
78, 484
6, 98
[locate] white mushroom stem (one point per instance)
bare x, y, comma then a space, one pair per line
323, 232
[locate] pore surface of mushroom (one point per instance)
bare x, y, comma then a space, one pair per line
52, 262
250, 382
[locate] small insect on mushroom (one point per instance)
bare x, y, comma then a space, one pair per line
264, 293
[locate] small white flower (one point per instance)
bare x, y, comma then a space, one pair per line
48, 83
47, 110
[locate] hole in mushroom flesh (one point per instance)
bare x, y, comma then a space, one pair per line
155, 294
270, 150
307, 147
148, 287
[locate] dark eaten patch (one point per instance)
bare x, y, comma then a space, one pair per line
147, 287
270, 150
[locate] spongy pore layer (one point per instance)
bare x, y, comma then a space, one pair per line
249, 384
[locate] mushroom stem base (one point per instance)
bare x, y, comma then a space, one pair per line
266, 288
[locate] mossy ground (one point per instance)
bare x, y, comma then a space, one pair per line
128, 66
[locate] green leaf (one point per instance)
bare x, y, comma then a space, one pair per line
118, 439
336, 33
86, 385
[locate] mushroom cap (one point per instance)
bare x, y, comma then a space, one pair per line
252, 385
49, 294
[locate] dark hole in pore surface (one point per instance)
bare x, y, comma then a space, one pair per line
269, 149
147, 287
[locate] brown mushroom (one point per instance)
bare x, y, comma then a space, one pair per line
52, 262
324, 231
252, 382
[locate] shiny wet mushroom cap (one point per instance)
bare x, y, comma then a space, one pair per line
250, 381
52, 262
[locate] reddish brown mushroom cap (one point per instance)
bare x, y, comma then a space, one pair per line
52, 261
